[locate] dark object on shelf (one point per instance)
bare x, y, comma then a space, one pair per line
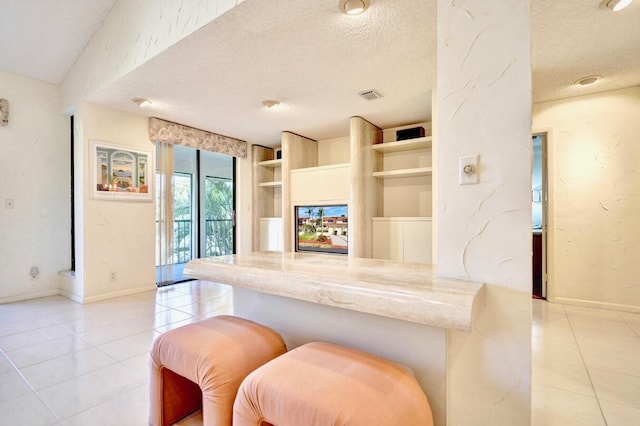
412, 133
278, 154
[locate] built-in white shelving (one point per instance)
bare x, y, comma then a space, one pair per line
406, 145
395, 174
415, 172
267, 184
271, 184
405, 170
271, 163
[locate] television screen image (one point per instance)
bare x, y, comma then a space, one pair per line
322, 229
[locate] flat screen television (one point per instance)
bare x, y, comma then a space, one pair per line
322, 229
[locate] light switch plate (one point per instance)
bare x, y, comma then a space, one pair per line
470, 176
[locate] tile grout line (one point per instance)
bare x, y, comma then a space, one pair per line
33, 391
584, 364
102, 403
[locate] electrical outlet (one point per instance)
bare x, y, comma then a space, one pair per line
113, 276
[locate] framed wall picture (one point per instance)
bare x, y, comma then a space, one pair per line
121, 172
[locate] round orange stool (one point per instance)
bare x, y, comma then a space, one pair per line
325, 384
202, 365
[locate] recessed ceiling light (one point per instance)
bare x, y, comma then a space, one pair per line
353, 7
141, 102
585, 81
270, 103
615, 5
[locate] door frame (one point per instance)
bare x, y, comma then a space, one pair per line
548, 227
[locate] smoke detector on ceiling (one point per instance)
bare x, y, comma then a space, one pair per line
370, 95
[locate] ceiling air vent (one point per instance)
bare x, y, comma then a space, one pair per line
370, 95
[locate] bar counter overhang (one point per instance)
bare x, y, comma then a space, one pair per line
400, 290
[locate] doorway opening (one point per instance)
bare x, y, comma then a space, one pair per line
539, 212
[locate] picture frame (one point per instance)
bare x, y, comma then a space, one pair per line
120, 172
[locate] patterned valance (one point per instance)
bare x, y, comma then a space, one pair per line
178, 134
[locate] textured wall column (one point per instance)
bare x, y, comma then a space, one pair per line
298, 152
484, 230
366, 191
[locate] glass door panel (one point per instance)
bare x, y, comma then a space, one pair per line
182, 219
218, 213
217, 204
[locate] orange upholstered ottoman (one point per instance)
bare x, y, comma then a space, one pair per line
202, 365
325, 384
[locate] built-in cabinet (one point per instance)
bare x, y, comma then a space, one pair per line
406, 239
387, 185
271, 234
322, 185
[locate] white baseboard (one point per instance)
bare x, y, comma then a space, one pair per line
68, 295
29, 296
599, 305
107, 296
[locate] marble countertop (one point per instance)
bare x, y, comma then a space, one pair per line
406, 291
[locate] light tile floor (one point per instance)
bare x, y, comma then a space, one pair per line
585, 366
62, 363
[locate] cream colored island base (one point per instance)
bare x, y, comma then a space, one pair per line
395, 310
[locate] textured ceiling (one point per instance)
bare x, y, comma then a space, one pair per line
572, 39
314, 60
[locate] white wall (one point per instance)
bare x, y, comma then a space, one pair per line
34, 172
112, 236
594, 160
484, 230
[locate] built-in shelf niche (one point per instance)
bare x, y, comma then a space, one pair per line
405, 173
405, 145
276, 166
415, 172
271, 163
266, 195
277, 183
